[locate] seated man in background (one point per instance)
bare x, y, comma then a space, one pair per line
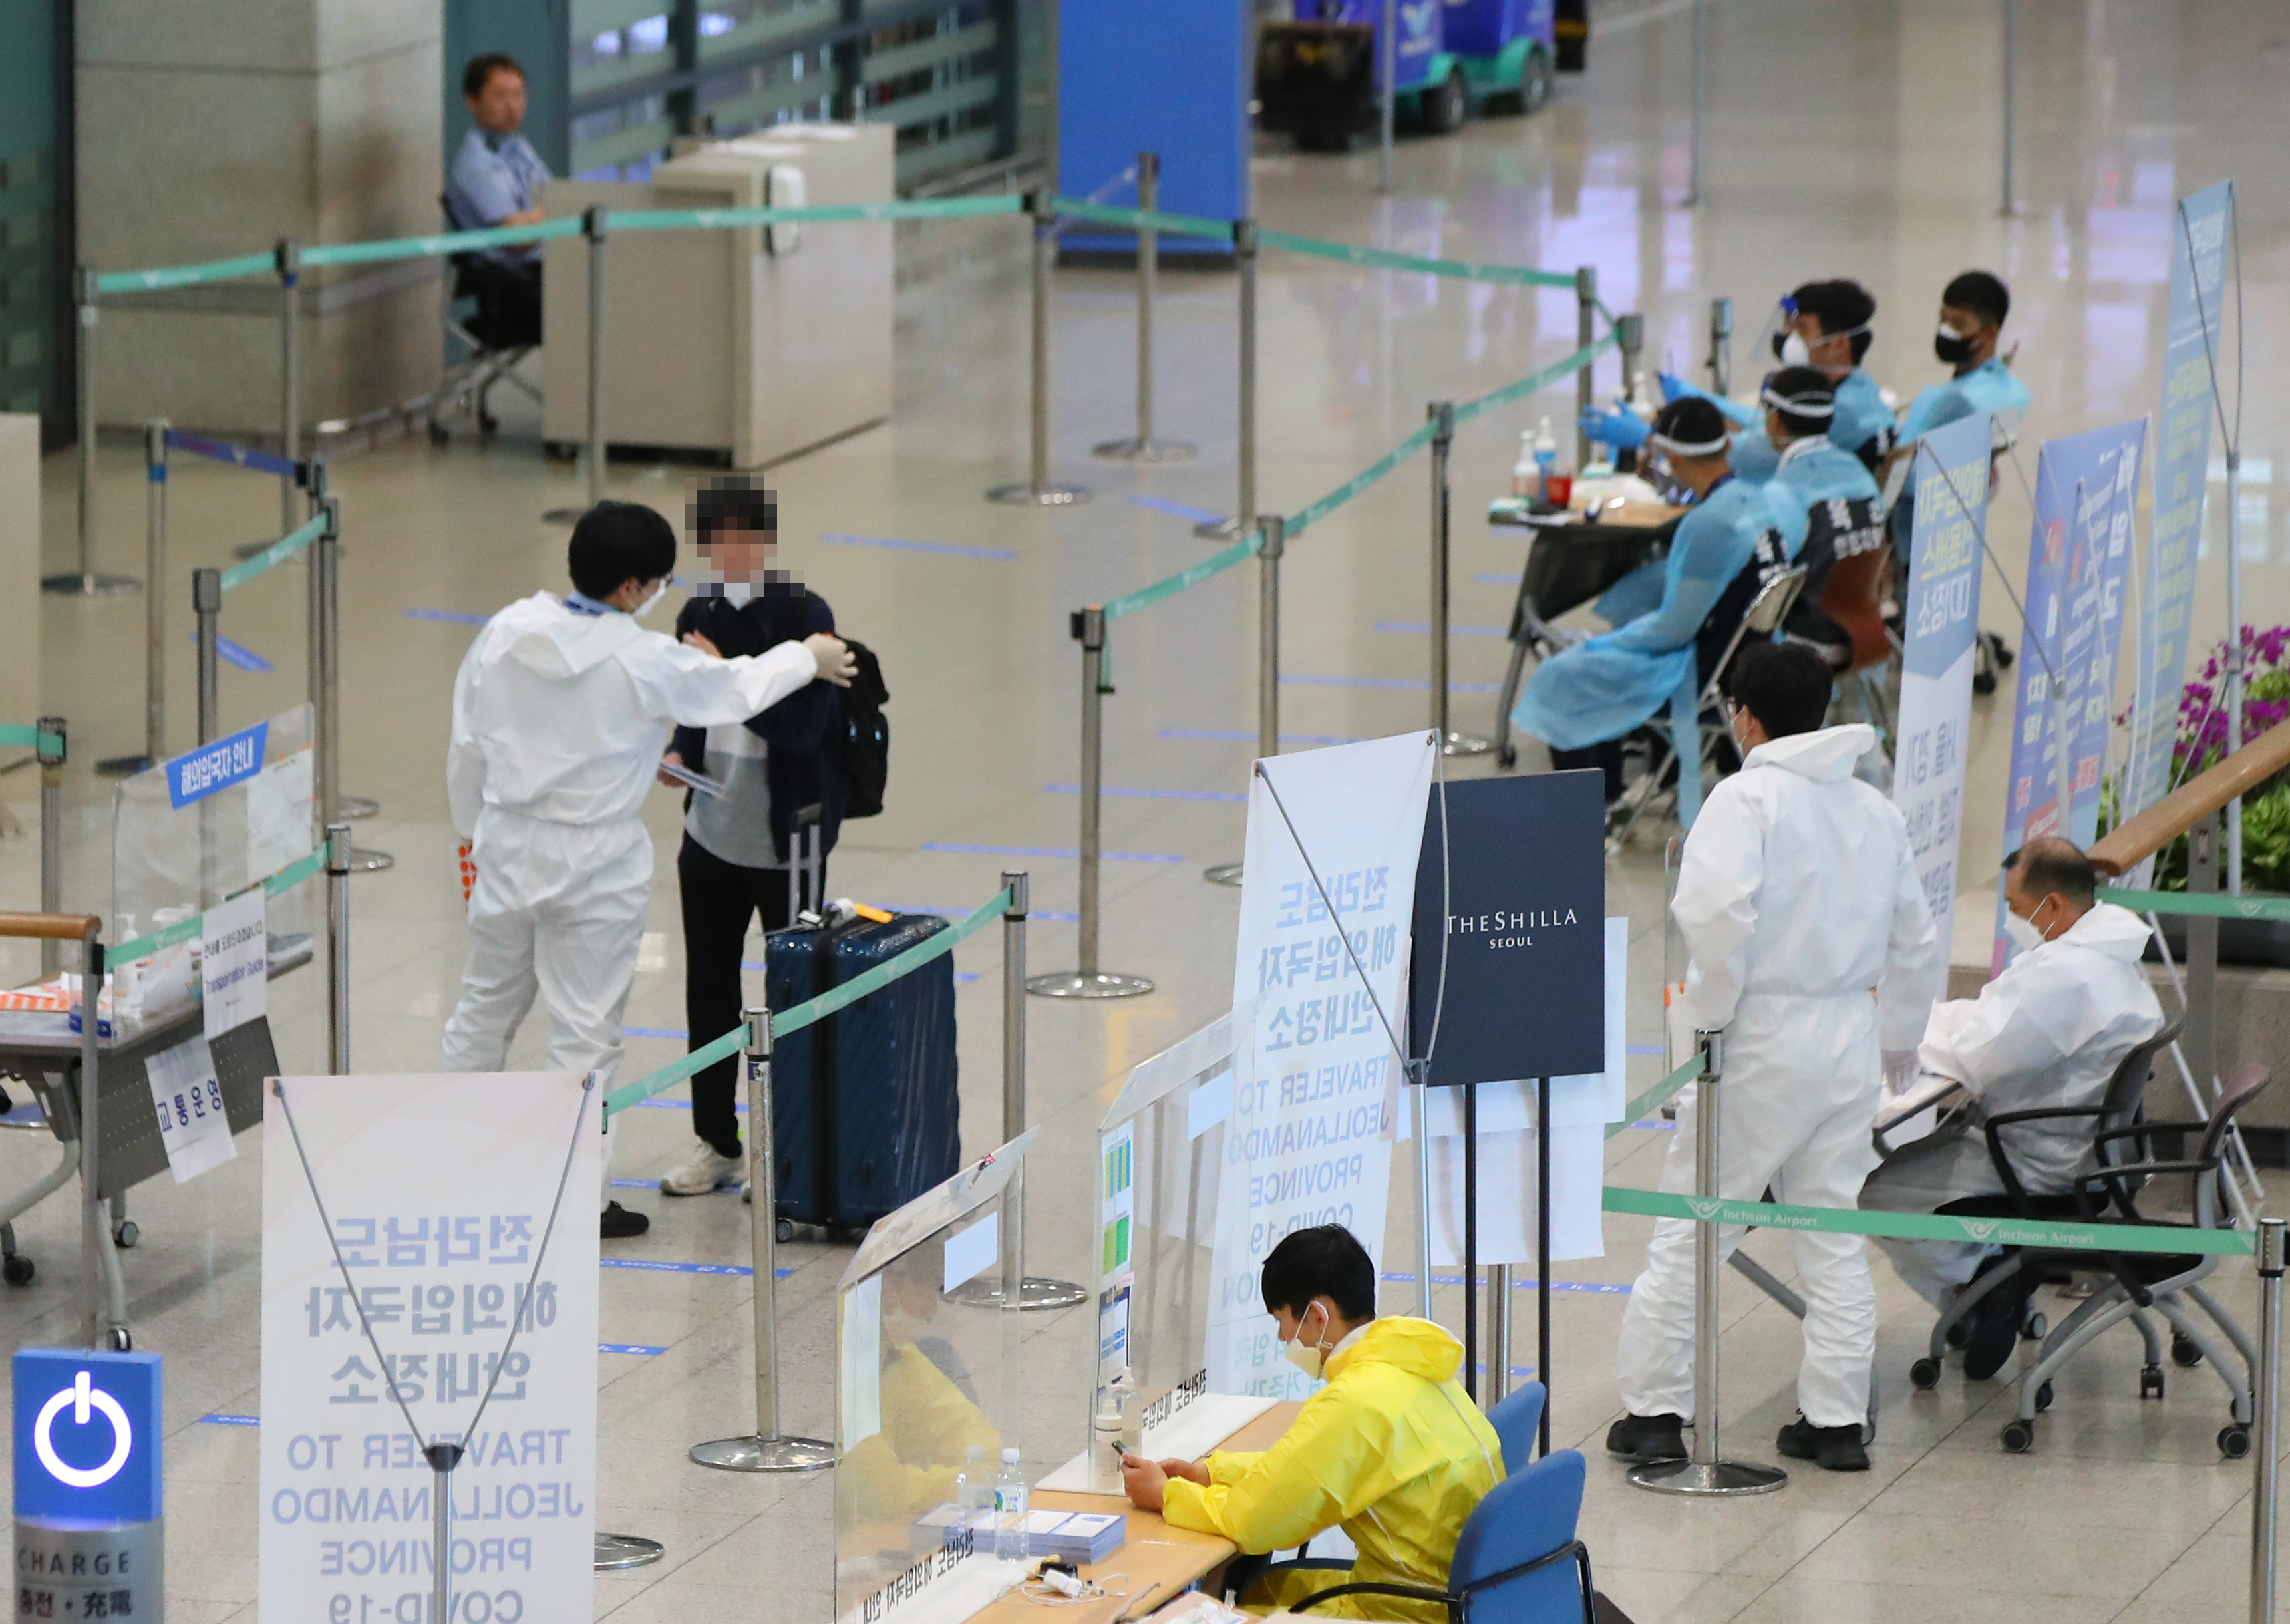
496, 180
1391, 1450
2049, 1032
1840, 496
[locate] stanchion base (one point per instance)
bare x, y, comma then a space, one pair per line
618, 1552
1717, 1477
89, 585
565, 515
356, 806
1035, 1293
1048, 496
761, 1454
1223, 873
1464, 744
123, 766
363, 861
1097, 984
1134, 450
1220, 530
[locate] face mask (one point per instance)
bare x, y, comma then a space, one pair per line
1307, 1356
2021, 933
652, 603
737, 592
1952, 348
1789, 348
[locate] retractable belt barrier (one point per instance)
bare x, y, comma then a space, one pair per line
1904, 1226
236, 456
184, 930
278, 552
811, 1010
2215, 906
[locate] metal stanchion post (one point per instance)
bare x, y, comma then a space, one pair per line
1707, 1472
350, 807
1721, 346
1419, 1102
338, 949
97, 1262
52, 834
2266, 1398
206, 604
1586, 333
155, 604
1087, 981
290, 353
1498, 1334
1244, 518
1144, 447
1443, 444
2237, 664
1268, 662
442, 1457
2011, 205
1700, 55
765, 1450
1387, 119
1037, 492
84, 582
1629, 340
326, 589
1033, 1291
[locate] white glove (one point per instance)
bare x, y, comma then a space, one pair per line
835, 662
1900, 1069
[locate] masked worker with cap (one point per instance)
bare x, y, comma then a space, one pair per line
1811, 950
1840, 496
2047, 1033
1971, 312
1585, 700
1392, 1451
560, 711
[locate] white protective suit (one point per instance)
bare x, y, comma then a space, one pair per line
2049, 1031
559, 721
1798, 898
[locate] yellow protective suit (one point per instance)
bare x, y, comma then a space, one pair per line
1391, 1450
929, 1427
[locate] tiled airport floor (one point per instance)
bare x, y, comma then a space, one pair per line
1856, 138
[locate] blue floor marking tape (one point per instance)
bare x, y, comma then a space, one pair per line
895, 545
657, 1267
678, 1032
728, 1188
1598, 1287
1493, 578
1152, 795
644, 1350
1250, 736
219, 1420
452, 617
1111, 857
1423, 627
1384, 681
238, 654
1198, 515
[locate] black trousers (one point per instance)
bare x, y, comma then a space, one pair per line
718, 899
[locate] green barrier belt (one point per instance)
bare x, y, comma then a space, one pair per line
1543, 380
443, 243
812, 1010
1215, 563
278, 552
1380, 258
1653, 1099
184, 930
1933, 1226
1173, 225
2215, 907
30, 736
1359, 481
186, 275
701, 220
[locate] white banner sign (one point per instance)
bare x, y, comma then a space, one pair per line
1314, 1089
187, 1098
440, 1189
234, 962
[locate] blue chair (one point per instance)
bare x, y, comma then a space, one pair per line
1518, 1561
1515, 1421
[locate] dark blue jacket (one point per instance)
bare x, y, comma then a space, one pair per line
800, 729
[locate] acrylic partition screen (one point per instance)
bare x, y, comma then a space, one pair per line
930, 1390
199, 830
1161, 1150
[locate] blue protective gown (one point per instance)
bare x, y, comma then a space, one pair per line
1862, 426
1989, 387
1602, 689
1818, 471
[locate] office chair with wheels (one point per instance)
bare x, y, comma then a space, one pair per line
495, 335
1518, 1560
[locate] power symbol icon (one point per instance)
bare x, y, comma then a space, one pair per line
81, 1395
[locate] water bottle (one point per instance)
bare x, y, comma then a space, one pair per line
973, 1491
1525, 474
1010, 1543
1546, 456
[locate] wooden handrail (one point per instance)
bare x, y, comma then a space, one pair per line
2193, 801
54, 927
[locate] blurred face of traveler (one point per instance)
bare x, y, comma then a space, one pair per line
734, 552
500, 107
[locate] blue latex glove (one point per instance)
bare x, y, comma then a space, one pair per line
1618, 428
1673, 386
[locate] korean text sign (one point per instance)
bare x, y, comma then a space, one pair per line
439, 1189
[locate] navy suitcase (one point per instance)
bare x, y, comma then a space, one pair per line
864, 1104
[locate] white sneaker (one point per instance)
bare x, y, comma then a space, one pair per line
701, 1171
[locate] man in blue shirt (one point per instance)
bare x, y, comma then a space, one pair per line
1827, 325
496, 180
1971, 312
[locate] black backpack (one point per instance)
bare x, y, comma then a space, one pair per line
863, 757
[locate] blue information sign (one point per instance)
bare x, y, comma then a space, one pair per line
214, 768
87, 1436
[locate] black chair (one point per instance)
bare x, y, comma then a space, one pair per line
497, 321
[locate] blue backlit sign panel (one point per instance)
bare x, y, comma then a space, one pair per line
87, 1435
